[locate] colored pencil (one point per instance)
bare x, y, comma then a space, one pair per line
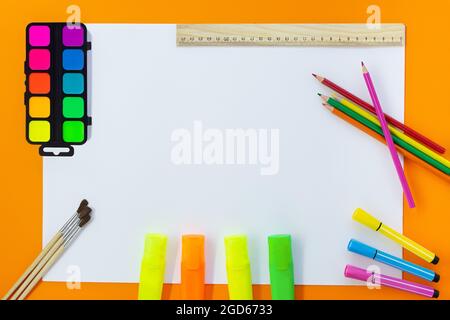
375, 131
388, 137
407, 130
408, 154
396, 132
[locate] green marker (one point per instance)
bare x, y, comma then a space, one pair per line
281, 267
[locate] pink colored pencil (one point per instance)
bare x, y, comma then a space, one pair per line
387, 136
388, 281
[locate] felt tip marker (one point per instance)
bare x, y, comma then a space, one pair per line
281, 267
193, 267
371, 222
238, 268
388, 281
153, 267
363, 249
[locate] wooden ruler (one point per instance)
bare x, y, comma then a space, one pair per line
290, 35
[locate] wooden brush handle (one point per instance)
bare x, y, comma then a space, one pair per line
38, 259
38, 267
42, 272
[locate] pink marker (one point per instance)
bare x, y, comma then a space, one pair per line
363, 275
388, 137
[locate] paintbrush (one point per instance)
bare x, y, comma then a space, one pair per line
50, 259
82, 211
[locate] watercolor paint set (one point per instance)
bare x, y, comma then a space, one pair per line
56, 96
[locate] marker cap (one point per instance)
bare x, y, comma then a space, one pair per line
236, 251
356, 273
281, 267
366, 219
155, 250
153, 267
193, 251
238, 268
193, 267
361, 248
280, 252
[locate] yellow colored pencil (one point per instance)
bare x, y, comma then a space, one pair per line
396, 132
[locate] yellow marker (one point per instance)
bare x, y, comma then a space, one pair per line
238, 268
371, 222
152, 267
396, 132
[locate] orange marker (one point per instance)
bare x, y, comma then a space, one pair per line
193, 267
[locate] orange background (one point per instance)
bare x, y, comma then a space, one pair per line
21, 167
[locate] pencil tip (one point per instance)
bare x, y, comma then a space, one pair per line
364, 68
323, 97
320, 78
326, 105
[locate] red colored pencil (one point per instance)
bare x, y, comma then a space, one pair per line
380, 138
407, 130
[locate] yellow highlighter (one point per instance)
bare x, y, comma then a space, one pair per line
396, 132
153, 267
238, 268
371, 222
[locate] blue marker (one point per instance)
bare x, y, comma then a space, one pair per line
383, 257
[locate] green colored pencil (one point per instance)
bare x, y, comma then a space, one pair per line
376, 128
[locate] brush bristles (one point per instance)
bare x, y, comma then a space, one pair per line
83, 221
82, 205
51, 252
84, 212
76, 222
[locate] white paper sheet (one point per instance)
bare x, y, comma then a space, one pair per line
143, 88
